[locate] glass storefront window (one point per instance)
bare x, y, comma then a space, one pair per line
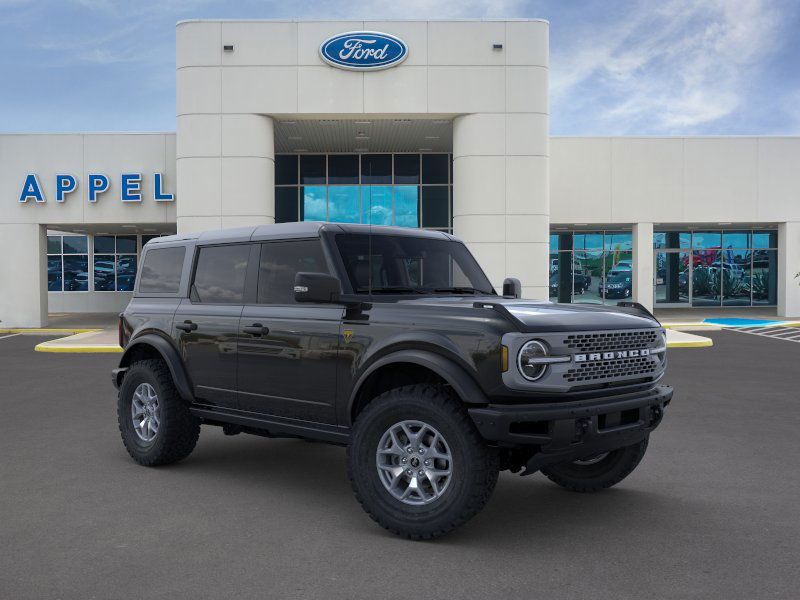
376, 168
435, 168
76, 273
345, 188
706, 239
435, 206
765, 239
312, 169
736, 239
406, 168
314, 203
75, 244
587, 275
286, 207
126, 272
54, 273
765, 277
343, 203
406, 206
618, 241
588, 241
376, 204
286, 169
343, 169
672, 277
728, 268
104, 272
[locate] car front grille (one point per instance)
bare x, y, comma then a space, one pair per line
613, 340
610, 369
618, 368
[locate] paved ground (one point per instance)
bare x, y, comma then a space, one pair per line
712, 511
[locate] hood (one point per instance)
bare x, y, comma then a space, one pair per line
541, 316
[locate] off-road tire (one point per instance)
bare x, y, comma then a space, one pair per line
475, 465
178, 430
596, 477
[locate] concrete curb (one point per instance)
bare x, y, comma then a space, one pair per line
48, 331
87, 349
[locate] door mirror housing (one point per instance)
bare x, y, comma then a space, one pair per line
512, 288
317, 287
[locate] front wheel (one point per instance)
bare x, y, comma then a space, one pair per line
595, 473
417, 464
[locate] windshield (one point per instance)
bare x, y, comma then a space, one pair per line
385, 264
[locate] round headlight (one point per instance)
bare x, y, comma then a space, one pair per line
526, 360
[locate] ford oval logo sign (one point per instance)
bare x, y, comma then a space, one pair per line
363, 50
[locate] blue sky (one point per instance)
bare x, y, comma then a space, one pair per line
666, 67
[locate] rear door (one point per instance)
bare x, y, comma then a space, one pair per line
207, 323
288, 351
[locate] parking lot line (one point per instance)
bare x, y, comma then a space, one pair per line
2, 337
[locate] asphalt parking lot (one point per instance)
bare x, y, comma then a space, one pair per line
712, 512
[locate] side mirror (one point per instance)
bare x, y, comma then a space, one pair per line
512, 287
316, 287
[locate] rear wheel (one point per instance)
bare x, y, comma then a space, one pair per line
417, 464
598, 472
156, 425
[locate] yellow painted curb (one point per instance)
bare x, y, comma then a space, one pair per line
96, 349
45, 330
703, 343
698, 325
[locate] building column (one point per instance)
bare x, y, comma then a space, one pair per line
501, 201
23, 271
642, 280
225, 170
788, 267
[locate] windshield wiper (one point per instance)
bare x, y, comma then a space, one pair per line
395, 289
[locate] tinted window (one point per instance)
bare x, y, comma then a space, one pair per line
286, 204
343, 168
286, 169
54, 244
126, 244
376, 168
104, 244
434, 168
161, 271
312, 168
280, 262
434, 207
75, 244
395, 264
406, 168
220, 273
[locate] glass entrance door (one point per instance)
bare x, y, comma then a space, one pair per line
673, 278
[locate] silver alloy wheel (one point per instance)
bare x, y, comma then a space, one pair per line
414, 462
145, 412
590, 460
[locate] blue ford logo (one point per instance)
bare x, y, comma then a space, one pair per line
363, 50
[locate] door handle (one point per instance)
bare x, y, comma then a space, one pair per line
186, 326
256, 329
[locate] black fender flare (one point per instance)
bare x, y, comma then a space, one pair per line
170, 355
456, 377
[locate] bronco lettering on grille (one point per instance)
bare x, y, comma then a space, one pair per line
611, 355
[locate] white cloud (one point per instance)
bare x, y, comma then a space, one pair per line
670, 69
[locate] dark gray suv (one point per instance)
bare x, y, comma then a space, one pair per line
392, 342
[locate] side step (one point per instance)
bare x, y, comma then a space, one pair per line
274, 425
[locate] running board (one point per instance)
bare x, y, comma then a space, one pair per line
274, 425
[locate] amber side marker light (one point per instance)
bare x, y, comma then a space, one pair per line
504, 359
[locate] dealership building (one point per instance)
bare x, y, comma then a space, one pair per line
434, 124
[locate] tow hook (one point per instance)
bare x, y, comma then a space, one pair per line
581, 427
656, 414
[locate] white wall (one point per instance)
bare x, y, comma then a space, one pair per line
674, 180
226, 102
23, 283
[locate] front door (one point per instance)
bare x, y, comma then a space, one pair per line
207, 323
287, 351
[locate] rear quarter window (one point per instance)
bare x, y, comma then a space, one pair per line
161, 270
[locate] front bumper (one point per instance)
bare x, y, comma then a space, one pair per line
561, 432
